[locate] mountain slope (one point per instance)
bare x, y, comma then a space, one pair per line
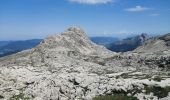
128, 44
71, 67
12, 47
156, 45
74, 39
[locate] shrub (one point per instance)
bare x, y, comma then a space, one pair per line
100, 62
115, 97
20, 96
1, 97
157, 78
158, 91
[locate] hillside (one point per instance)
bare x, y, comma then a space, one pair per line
128, 44
156, 45
68, 66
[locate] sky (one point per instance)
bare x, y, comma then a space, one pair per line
30, 19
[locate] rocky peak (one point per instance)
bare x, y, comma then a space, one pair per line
155, 45
76, 30
166, 38
76, 33
73, 39
144, 36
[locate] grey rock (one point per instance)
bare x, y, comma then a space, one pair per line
71, 67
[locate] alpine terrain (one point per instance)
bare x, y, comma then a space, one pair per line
128, 44
69, 66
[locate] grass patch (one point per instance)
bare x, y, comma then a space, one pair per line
20, 96
158, 91
138, 76
130, 75
120, 95
117, 57
115, 97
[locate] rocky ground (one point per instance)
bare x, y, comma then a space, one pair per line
70, 67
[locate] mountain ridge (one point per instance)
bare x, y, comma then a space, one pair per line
128, 44
11, 47
69, 67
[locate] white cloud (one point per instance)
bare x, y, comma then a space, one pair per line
92, 1
137, 9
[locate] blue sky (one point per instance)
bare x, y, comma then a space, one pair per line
28, 19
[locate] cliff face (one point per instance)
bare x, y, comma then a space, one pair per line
71, 67
156, 45
128, 44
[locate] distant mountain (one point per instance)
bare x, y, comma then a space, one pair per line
11, 47
157, 45
112, 43
128, 44
166, 38
103, 40
3, 43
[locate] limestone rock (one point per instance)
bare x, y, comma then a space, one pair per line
70, 67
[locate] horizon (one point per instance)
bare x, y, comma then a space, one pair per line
30, 19
119, 38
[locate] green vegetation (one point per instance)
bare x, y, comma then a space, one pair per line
109, 71
97, 72
157, 78
20, 96
158, 91
104, 60
120, 95
125, 75
135, 76
1, 97
72, 53
164, 63
100, 62
115, 97
147, 76
168, 67
141, 76
117, 57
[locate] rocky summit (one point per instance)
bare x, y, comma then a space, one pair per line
69, 66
